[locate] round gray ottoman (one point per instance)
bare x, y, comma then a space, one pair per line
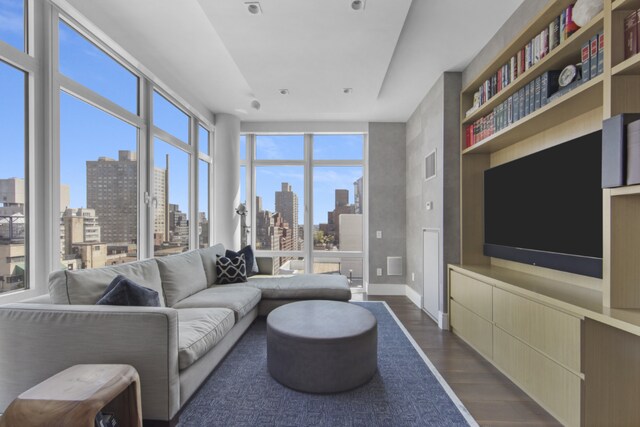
322, 346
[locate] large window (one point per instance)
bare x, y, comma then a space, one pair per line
317, 227
13, 195
129, 164
85, 63
98, 186
12, 23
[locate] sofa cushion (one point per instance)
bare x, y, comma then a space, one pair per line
240, 299
249, 259
209, 256
231, 270
302, 286
199, 330
123, 291
87, 286
182, 275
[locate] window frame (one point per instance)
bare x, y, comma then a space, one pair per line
308, 253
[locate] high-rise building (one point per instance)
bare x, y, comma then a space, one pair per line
287, 206
112, 191
358, 191
332, 228
80, 226
160, 232
342, 198
178, 226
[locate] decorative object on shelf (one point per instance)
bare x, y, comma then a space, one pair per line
585, 10
568, 75
633, 153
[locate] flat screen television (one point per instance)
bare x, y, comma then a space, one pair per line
545, 209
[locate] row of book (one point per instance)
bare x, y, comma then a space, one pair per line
549, 38
631, 34
537, 93
592, 57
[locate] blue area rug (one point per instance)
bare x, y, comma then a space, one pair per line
404, 392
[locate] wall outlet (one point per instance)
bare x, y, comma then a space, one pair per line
378, 272
429, 206
379, 234
413, 277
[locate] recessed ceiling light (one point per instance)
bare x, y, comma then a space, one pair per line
283, 91
347, 90
254, 7
357, 4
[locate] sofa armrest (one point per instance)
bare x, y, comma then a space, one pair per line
265, 265
40, 340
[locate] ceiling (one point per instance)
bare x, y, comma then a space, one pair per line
221, 57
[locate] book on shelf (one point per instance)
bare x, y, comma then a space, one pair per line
521, 100
548, 85
631, 34
601, 53
563, 26
537, 93
593, 56
584, 57
570, 27
532, 96
516, 106
554, 33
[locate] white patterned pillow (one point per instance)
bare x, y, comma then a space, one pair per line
231, 270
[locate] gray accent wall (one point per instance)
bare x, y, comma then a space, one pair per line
386, 199
509, 31
435, 125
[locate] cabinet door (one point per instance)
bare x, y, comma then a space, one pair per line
472, 294
472, 328
557, 389
551, 331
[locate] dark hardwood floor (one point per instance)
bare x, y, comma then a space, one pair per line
492, 398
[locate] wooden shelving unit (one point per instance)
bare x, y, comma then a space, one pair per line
629, 67
584, 98
566, 53
608, 309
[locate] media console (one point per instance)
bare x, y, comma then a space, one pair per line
556, 341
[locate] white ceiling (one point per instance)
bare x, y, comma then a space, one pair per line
221, 57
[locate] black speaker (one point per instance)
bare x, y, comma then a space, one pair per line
614, 149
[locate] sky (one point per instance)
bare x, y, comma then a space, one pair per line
87, 133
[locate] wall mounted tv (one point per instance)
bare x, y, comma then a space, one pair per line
545, 209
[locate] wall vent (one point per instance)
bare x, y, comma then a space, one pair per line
430, 166
394, 266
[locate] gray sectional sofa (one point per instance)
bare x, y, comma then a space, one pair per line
174, 347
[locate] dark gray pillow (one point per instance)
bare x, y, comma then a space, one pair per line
231, 270
122, 291
249, 259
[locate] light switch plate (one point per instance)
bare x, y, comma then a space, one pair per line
378, 272
379, 234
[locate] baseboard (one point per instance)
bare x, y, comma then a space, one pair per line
414, 296
394, 290
443, 320
386, 289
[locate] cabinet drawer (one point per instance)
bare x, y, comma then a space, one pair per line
472, 328
471, 293
554, 387
553, 332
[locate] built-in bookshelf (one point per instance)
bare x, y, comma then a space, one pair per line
602, 390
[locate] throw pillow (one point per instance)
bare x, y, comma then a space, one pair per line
231, 270
123, 291
249, 258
